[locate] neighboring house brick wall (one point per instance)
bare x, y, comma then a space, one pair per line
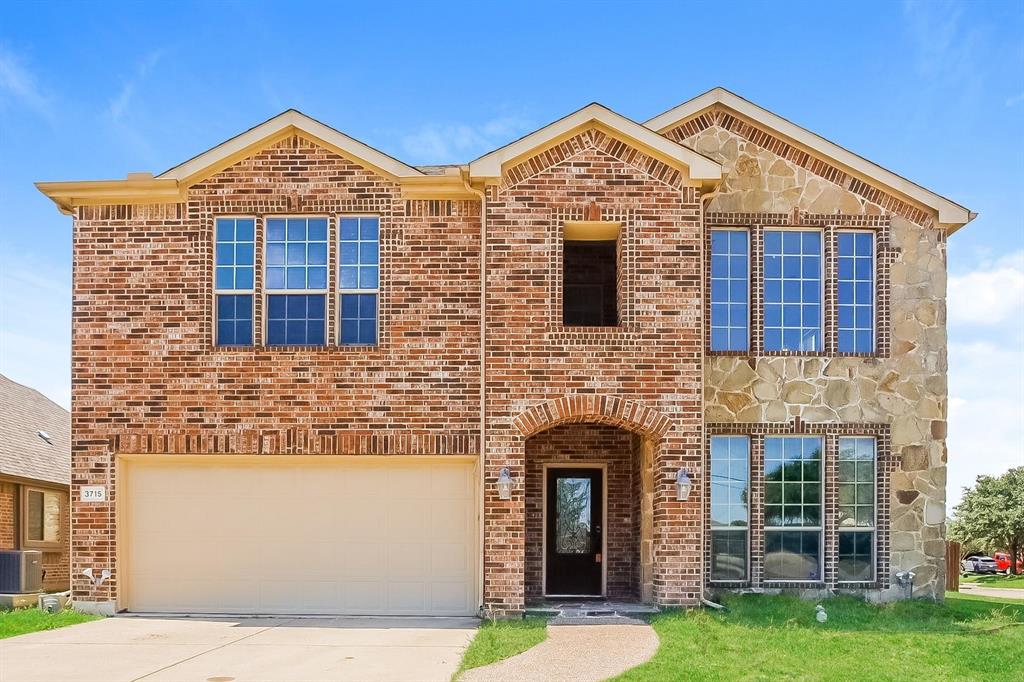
8, 503
148, 380
58, 564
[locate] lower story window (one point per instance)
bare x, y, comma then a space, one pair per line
359, 319
296, 319
856, 558
729, 554
42, 516
234, 319
792, 555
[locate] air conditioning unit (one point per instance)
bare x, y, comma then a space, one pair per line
21, 571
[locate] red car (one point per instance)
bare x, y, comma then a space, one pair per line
1003, 562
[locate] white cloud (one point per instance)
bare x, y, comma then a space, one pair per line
986, 411
460, 142
1015, 100
35, 324
19, 84
119, 104
986, 371
991, 295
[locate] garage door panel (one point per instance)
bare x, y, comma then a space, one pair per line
336, 536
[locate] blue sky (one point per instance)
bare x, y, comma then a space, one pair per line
933, 91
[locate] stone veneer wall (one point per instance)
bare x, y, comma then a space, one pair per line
906, 388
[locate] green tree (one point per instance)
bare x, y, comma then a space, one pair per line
991, 515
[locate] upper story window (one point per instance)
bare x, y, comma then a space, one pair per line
856, 477
296, 276
792, 290
234, 281
793, 508
856, 292
590, 275
730, 479
358, 263
730, 290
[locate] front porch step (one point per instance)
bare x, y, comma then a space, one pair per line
591, 612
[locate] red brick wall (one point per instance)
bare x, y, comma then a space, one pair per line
8, 500
653, 357
593, 444
146, 378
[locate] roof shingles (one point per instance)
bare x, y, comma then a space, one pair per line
24, 412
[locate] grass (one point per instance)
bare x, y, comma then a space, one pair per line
24, 621
1011, 581
777, 637
499, 639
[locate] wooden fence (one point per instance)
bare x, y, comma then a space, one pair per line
952, 566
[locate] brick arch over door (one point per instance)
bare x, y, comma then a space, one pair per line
594, 409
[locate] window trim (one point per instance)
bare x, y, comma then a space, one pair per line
873, 528
874, 292
819, 529
746, 529
46, 545
750, 289
822, 232
339, 291
234, 292
266, 292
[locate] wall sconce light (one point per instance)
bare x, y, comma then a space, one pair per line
683, 485
504, 485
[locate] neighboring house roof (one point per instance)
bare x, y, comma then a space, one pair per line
699, 167
24, 453
464, 181
951, 215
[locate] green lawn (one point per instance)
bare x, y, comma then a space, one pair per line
776, 637
1012, 581
500, 639
23, 621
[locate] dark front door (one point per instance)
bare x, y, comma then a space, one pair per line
574, 518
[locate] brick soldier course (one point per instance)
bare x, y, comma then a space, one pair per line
643, 397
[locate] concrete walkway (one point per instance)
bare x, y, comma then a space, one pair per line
1001, 592
576, 653
161, 649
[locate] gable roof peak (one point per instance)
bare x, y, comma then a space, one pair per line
699, 168
951, 215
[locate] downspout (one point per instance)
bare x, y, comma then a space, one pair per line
704, 199
481, 466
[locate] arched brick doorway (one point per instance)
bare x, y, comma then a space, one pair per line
612, 444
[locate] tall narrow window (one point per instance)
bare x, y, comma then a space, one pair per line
590, 274
792, 517
792, 290
296, 281
856, 292
234, 281
730, 284
856, 560
730, 476
359, 274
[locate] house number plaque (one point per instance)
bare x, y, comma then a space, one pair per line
94, 493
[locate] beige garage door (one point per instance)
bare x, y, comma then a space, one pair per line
282, 535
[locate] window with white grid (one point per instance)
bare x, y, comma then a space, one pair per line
730, 290
792, 290
856, 480
856, 292
730, 498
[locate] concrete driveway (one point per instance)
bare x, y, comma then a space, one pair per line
158, 649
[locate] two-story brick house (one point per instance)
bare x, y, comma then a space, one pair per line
611, 359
